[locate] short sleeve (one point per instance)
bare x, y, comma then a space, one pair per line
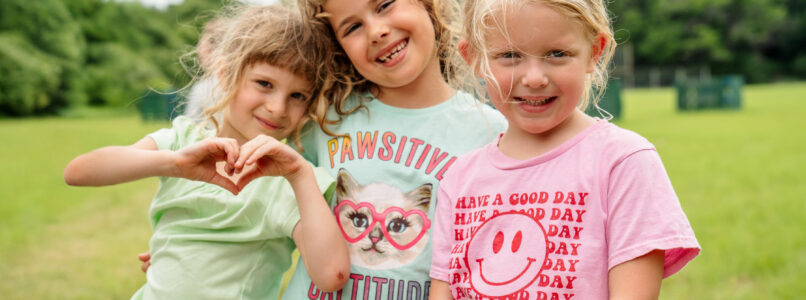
441, 234
183, 132
165, 138
308, 137
644, 214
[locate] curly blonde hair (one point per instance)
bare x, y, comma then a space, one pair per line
481, 16
277, 36
445, 16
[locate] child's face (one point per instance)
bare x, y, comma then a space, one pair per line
270, 100
541, 70
390, 42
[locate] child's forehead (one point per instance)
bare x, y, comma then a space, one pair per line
531, 24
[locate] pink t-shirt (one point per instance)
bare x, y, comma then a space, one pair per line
551, 227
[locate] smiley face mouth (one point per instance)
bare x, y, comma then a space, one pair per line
481, 273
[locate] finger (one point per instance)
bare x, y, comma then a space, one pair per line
216, 148
232, 155
246, 151
144, 266
232, 151
267, 149
145, 256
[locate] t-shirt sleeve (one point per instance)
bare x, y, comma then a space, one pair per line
441, 235
644, 214
165, 138
172, 138
308, 138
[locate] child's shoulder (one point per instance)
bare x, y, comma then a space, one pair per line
183, 131
471, 160
471, 109
614, 140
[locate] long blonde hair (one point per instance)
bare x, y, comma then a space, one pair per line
444, 14
277, 36
481, 16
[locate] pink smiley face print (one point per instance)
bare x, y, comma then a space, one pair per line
506, 254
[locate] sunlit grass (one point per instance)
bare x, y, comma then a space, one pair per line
739, 175
61, 242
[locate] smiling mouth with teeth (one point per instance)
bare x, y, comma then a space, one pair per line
392, 54
534, 102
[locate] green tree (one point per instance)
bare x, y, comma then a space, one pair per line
48, 26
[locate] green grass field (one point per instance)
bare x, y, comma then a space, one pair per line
738, 175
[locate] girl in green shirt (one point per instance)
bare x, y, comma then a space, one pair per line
233, 199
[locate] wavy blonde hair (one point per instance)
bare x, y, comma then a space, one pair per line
481, 16
277, 36
445, 16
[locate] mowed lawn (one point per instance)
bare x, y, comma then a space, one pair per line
739, 176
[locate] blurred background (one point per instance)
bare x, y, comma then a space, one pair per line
719, 86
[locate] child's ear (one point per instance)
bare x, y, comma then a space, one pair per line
597, 49
464, 50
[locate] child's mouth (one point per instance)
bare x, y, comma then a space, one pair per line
393, 52
535, 102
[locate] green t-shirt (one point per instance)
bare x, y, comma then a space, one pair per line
387, 172
211, 244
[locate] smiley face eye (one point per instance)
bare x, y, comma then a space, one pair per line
516, 241
498, 242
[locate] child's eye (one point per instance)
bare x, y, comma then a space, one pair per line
264, 83
508, 55
557, 54
299, 97
384, 5
351, 28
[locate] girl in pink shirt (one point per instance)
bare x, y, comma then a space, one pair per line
562, 205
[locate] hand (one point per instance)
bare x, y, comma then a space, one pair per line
198, 162
145, 258
267, 157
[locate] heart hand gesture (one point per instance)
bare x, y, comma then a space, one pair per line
266, 156
198, 162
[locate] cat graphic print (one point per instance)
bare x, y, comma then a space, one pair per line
385, 227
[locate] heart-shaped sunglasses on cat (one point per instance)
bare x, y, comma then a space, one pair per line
393, 218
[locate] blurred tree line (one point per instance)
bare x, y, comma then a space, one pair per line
761, 39
56, 53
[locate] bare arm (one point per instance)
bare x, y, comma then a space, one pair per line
639, 278
119, 164
439, 290
321, 244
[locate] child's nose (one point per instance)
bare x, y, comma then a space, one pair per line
535, 77
378, 31
275, 104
